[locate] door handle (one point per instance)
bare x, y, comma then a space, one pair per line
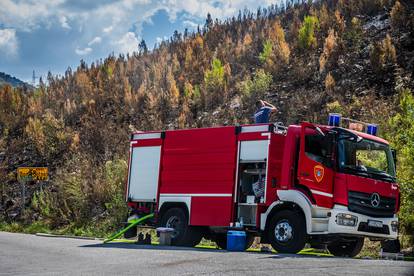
304, 174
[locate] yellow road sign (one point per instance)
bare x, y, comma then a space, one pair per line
33, 173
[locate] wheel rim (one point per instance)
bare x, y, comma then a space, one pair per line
283, 231
174, 223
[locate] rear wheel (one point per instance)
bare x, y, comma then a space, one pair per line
183, 235
286, 231
346, 248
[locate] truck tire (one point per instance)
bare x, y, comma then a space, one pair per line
184, 234
221, 241
346, 248
286, 231
391, 246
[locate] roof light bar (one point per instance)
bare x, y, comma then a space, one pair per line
335, 119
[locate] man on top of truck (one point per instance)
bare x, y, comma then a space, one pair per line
262, 115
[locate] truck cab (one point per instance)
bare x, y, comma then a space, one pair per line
344, 184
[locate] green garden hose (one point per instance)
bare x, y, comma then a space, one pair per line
132, 224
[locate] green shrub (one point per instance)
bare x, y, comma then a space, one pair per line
401, 135
306, 36
37, 227
215, 84
115, 173
13, 227
264, 56
335, 107
257, 87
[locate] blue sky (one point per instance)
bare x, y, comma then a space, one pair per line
50, 35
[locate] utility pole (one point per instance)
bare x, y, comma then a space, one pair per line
34, 78
23, 183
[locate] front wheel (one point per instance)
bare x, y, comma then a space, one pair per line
391, 246
286, 231
346, 248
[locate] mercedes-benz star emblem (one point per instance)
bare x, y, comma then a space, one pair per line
375, 199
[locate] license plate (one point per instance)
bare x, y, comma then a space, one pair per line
375, 223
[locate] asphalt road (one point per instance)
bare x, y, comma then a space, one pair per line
22, 254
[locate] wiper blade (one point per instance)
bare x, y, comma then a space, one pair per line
369, 173
349, 167
354, 169
384, 174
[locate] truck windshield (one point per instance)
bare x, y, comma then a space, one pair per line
366, 158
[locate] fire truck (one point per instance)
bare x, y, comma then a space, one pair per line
324, 185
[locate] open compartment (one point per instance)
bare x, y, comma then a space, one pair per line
251, 180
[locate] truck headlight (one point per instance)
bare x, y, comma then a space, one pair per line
394, 226
346, 219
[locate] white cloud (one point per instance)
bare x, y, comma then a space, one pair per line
95, 40
28, 15
8, 42
190, 24
64, 22
83, 52
121, 14
128, 43
108, 22
217, 8
108, 29
161, 39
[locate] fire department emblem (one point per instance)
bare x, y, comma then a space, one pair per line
318, 171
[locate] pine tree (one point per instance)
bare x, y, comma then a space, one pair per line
306, 36
142, 47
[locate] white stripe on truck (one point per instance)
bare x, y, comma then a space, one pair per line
321, 193
199, 195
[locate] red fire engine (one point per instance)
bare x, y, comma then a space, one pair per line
307, 183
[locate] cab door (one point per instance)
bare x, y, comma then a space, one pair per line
315, 168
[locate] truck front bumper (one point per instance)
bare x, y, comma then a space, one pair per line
363, 225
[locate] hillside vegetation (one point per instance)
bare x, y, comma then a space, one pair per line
12, 81
354, 57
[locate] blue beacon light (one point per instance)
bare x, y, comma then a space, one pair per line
372, 129
334, 119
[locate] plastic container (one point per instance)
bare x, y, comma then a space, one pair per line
236, 240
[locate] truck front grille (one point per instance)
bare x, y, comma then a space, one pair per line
359, 202
364, 227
